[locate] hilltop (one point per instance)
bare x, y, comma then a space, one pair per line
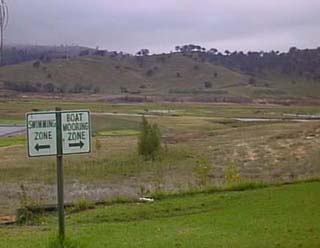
183, 73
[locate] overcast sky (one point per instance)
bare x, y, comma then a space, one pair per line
129, 25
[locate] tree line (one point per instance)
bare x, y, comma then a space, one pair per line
296, 62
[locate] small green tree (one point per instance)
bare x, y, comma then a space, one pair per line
149, 143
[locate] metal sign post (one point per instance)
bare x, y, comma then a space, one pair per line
60, 186
59, 133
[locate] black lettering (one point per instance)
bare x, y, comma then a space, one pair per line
43, 135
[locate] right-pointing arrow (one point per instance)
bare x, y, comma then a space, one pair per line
80, 144
40, 147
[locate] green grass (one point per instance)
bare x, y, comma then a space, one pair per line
281, 151
119, 133
285, 216
106, 166
10, 141
126, 165
13, 111
104, 124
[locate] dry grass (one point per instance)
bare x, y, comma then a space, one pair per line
281, 151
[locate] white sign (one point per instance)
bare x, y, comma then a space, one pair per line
42, 134
76, 136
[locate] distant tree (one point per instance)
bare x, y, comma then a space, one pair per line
101, 53
96, 90
49, 87
213, 50
123, 90
143, 52
84, 53
149, 72
207, 84
191, 48
77, 88
146, 52
177, 48
36, 64
293, 50
47, 59
252, 81
161, 59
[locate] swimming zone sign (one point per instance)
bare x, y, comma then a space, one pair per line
42, 134
43, 128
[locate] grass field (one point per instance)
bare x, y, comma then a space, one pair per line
284, 216
204, 145
281, 150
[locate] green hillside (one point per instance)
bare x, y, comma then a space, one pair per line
167, 75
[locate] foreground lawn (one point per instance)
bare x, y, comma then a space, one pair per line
286, 216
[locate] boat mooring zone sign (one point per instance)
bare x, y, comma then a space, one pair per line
76, 132
42, 129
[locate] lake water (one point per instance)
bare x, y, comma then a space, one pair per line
7, 130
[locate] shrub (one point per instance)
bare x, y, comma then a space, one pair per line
24, 215
207, 84
82, 204
123, 89
201, 172
98, 144
149, 144
36, 64
231, 174
149, 72
252, 81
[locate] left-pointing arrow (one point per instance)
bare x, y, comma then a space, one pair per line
40, 147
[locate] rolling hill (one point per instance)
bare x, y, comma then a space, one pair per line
172, 74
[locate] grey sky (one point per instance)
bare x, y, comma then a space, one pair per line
129, 25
